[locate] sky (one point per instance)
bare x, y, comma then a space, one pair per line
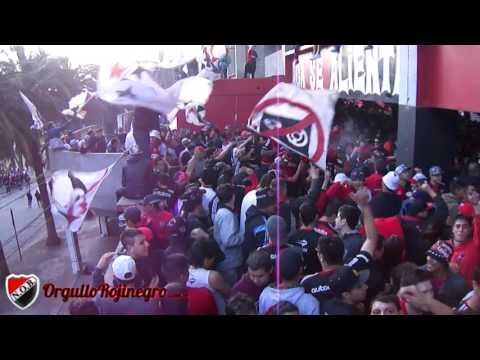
101, 54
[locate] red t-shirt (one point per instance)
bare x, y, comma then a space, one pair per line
158, 223
251, 56
254, 183
338, 190
401, 192
388, 227
201, 302
374, 183
467, 255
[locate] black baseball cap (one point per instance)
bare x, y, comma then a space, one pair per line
290, 263
152, 199
344, 279
133, 214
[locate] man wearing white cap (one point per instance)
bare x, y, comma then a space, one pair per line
387, 203
155, 141
340, 188
404, 174
124, 272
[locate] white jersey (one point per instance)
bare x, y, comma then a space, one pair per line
248, 200
207, 197
198, 278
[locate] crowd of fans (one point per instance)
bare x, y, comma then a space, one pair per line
13, 178
233, 223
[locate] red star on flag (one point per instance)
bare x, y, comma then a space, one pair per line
116, 71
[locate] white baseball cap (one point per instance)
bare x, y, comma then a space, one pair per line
155, 134
419, 177
341, 178
391, 181
124, 268
400, 169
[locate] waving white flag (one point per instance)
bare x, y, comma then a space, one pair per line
298, 119
37, 120
77, 103
135, 86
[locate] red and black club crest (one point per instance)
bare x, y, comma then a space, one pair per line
22, 290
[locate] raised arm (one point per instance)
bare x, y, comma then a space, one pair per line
441, 209
224, 152
295, 177
361, 197
425, 302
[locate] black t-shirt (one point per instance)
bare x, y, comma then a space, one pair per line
318, 284
307, 240
385, 205
376, 281
353, 243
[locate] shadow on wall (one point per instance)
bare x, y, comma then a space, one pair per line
104, 202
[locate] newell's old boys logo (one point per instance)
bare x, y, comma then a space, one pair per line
22, 290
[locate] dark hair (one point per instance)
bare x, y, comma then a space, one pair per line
457, 185
209, 176
225, 192
414, 277
351, 214
387, 299
397, 273
464, 218
266, 179
332, 249
201, 250
259, 259
282, 308
241, 304
82, 307
127, 237
174, 266
392, 251
307, 213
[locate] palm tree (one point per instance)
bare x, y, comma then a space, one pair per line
48, 83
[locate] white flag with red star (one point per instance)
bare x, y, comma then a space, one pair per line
135, 86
